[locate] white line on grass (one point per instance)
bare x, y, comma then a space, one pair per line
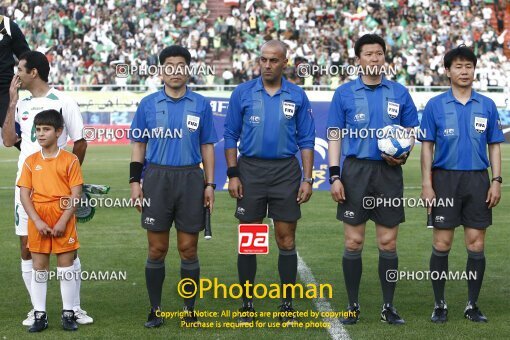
337, 330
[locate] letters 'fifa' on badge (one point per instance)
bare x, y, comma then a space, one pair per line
192, 123
288, 109
480, 124
393, 109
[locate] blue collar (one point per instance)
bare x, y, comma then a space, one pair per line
259, 86
360, 85
474, 96
163, 96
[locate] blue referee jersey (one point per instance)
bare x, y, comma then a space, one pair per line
461, 132
356, 107
174, 130
269, 127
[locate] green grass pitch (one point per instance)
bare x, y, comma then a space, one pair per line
114, 241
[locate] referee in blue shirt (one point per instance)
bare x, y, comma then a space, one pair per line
459, 125
360, 108
173, 131
272, 118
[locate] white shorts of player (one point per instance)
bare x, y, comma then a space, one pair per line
20, 215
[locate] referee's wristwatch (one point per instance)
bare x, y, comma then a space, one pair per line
498, 179
212, 185
307, 180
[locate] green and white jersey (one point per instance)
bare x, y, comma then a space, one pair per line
28, 108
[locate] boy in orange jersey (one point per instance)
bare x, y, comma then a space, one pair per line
50, 179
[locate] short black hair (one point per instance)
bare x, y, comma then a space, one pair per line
38, 61
368, 39
460, 52
49, 117
175, 51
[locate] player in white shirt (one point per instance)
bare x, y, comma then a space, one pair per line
33, 70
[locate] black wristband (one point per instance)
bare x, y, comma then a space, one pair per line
135, 172
233, 171
334, 171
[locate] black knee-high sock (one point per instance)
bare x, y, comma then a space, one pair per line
476, 265
154, 277
387, 261
287, 267
439, 264
247, 269
352, 266
190, 269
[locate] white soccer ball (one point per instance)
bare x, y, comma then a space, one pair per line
394, 140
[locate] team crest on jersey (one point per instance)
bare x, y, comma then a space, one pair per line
24, 115
288, 109
192, 123
480, 124
393, 109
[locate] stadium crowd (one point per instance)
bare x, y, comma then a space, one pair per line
417, 33
84, 40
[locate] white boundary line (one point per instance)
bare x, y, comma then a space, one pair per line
337, 330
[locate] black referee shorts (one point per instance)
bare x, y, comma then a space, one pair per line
468, 191
364, 182
269, 186
176, 194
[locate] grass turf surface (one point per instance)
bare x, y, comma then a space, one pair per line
114, 241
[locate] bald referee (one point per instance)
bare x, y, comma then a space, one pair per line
459, 126
173, 131
12, 43
272, 119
